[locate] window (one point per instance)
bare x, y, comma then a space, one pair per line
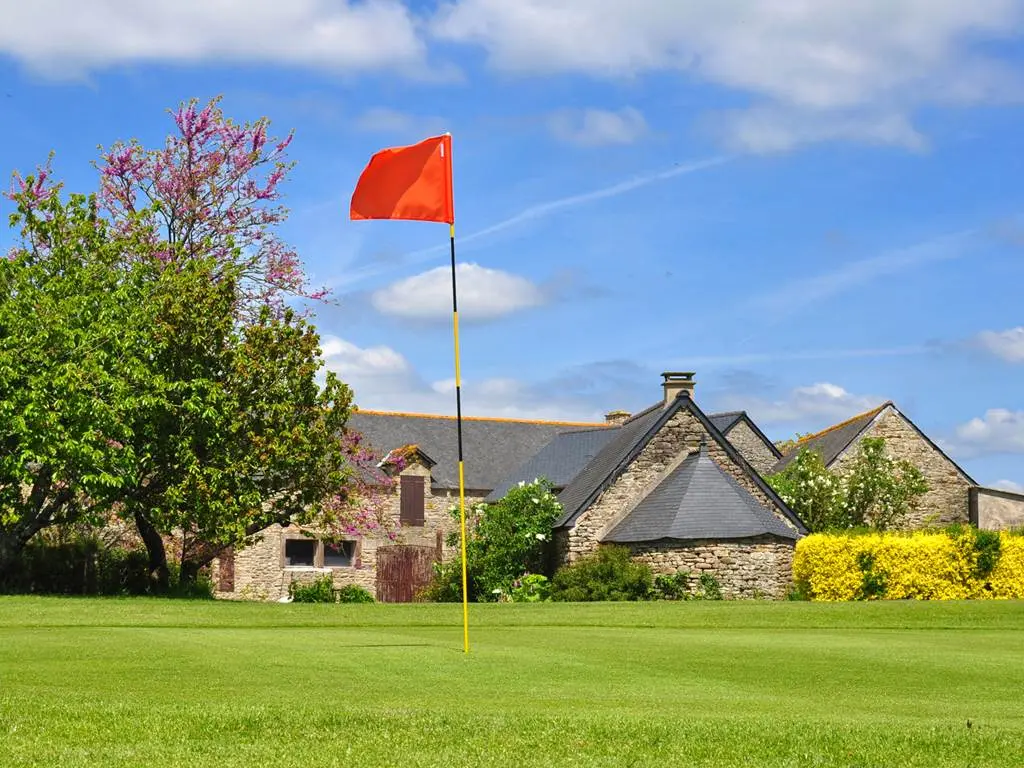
299, 552
411, 493
339, 554
311, 553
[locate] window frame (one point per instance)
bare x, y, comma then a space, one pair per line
318, 553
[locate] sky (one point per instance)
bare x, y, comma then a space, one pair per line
816, 207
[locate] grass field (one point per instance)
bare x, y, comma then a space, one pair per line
147, 683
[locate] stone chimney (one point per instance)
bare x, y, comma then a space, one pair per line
677, 384
616, 418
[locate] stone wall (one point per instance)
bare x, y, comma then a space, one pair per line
745, 568
752, 447
947, 498
996, 510
260, 573
679, 437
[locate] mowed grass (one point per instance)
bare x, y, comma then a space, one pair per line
144, 682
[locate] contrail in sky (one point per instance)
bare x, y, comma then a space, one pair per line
543, 210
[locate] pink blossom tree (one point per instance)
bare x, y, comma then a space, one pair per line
212, 190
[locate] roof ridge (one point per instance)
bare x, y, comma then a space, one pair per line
726, 413
644, 412
871, 412
594, 424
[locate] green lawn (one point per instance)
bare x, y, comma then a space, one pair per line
146, 683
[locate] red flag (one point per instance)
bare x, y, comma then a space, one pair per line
413, 182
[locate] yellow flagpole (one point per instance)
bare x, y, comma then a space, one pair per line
458, 411
458, 423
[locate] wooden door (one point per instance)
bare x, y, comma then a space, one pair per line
402, 571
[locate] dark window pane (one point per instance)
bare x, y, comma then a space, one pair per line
299, 551
339, 554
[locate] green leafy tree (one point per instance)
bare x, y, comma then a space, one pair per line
235, 432
130, 380
881, 491
69, 328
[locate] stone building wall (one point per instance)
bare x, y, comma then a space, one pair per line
946, 500
757, 567
996, 510
752, 447
260, 573
679, 437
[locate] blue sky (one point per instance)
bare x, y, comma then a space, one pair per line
816, 207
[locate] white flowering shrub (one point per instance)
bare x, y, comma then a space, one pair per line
876, 492
505, 541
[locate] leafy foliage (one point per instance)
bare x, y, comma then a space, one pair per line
710, 589
608, 574
319, 590
72, 326
955, 564
810, 490
353, 593
148, 361
532, 588
672, 586
879, 490
875, 491
504, 542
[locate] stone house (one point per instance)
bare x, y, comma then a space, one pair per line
952, 496
426, 490
502, 452
683, 489
674, 489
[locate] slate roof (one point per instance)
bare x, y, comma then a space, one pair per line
628, 437
626, 445
726, 421
729, 419
698, 500
493, 448
831, 442
560, 460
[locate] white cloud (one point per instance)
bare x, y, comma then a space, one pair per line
822, 403
846, 69
999, 431
763, 130
393, 121
597, 127
383, 379
346, 359
1008, 485
484, 294
69, 37
1008, 344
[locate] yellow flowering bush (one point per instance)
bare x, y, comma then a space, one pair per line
1007, 579
952, 565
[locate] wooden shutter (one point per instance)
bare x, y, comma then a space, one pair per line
412, 500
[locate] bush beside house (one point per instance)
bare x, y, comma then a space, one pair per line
955, 564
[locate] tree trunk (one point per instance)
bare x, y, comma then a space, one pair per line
159, 574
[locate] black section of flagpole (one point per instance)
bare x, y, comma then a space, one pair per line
458, 388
